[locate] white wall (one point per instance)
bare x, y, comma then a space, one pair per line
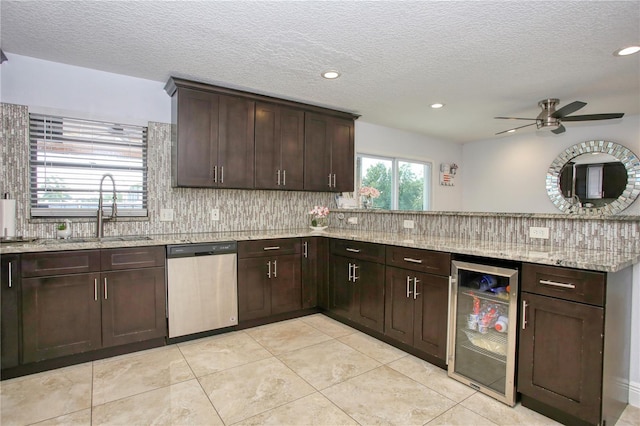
507, 173
385, 141
54, 88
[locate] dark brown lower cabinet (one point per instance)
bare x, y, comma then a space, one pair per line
356, 291
314, 277
133, 306
416, 310
10, 311
269, 278
60, 316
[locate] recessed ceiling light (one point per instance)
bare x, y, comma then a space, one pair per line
627, 51
331, 74
436, 106
511, 131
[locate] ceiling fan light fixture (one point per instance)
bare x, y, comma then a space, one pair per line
330, 74
626, 51
437, 105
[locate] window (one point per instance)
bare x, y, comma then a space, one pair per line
69, 157
403, 184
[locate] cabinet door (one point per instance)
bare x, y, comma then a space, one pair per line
254, 288
560, 355
9, 321
279, 147
133, 306
317, 153
341, 288
286, 285
431, 312
309, 272
369, 294
195, 152
342, 155
236, 143
60, 316
399, 305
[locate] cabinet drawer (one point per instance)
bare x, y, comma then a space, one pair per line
358, 250
431, 262
60, 263
274, 247
564, 283
132, 258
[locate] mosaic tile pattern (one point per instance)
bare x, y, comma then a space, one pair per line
243, 210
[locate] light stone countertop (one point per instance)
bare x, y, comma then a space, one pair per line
606, 261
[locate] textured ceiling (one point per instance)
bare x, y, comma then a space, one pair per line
481, 58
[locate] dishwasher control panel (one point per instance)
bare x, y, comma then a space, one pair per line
201, 249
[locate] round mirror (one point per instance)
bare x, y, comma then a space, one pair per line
594, 177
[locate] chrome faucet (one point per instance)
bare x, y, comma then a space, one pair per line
114, 207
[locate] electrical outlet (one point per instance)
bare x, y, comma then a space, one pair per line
166, 215
408, 224
215, 214
539, 232
352, 220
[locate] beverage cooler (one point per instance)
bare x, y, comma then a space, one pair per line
483, 328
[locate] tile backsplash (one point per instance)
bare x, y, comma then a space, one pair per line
260, 210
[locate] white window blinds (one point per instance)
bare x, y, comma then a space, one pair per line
69, 157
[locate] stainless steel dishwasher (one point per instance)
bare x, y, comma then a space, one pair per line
202, 287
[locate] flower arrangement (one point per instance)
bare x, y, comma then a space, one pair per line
369, 191
319, 216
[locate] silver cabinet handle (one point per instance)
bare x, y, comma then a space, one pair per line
329, 180
10, 276
95, 289
275, 269
106, 294
350, 277
215, 174
284, 178
408, 259
278, 173
524, 314
305, 251
556, 284
334, 180
271, 248
221, 174
408, 284
353, 250
355, 277
269, 269
415, 285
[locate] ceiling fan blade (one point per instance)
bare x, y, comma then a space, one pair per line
590, 117
516, 128
560, 129
568, 109
515, 118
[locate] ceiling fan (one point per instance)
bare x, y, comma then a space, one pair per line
551, 119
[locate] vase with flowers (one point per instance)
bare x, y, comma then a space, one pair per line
368, 193
319, 221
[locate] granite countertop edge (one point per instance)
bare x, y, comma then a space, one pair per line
598, 260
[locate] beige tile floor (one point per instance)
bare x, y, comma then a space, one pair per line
306, 371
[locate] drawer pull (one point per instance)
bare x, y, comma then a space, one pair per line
352, 250
408, 259
271, 248
555, 284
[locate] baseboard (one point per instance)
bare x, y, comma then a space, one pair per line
634, 394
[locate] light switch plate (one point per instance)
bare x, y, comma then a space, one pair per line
215, 214
353, 220
408, 224
166, 215
539, 232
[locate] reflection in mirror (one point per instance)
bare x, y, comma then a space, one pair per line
594, 177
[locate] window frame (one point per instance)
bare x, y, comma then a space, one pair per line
395, 182
85, 136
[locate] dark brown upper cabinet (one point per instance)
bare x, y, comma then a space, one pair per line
213, 140
328, 153
279, 147
226, 138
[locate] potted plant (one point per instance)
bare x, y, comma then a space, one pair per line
64, 229
319, 220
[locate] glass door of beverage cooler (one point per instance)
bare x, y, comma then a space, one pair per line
483, 325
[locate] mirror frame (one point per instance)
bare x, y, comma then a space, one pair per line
626, 157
